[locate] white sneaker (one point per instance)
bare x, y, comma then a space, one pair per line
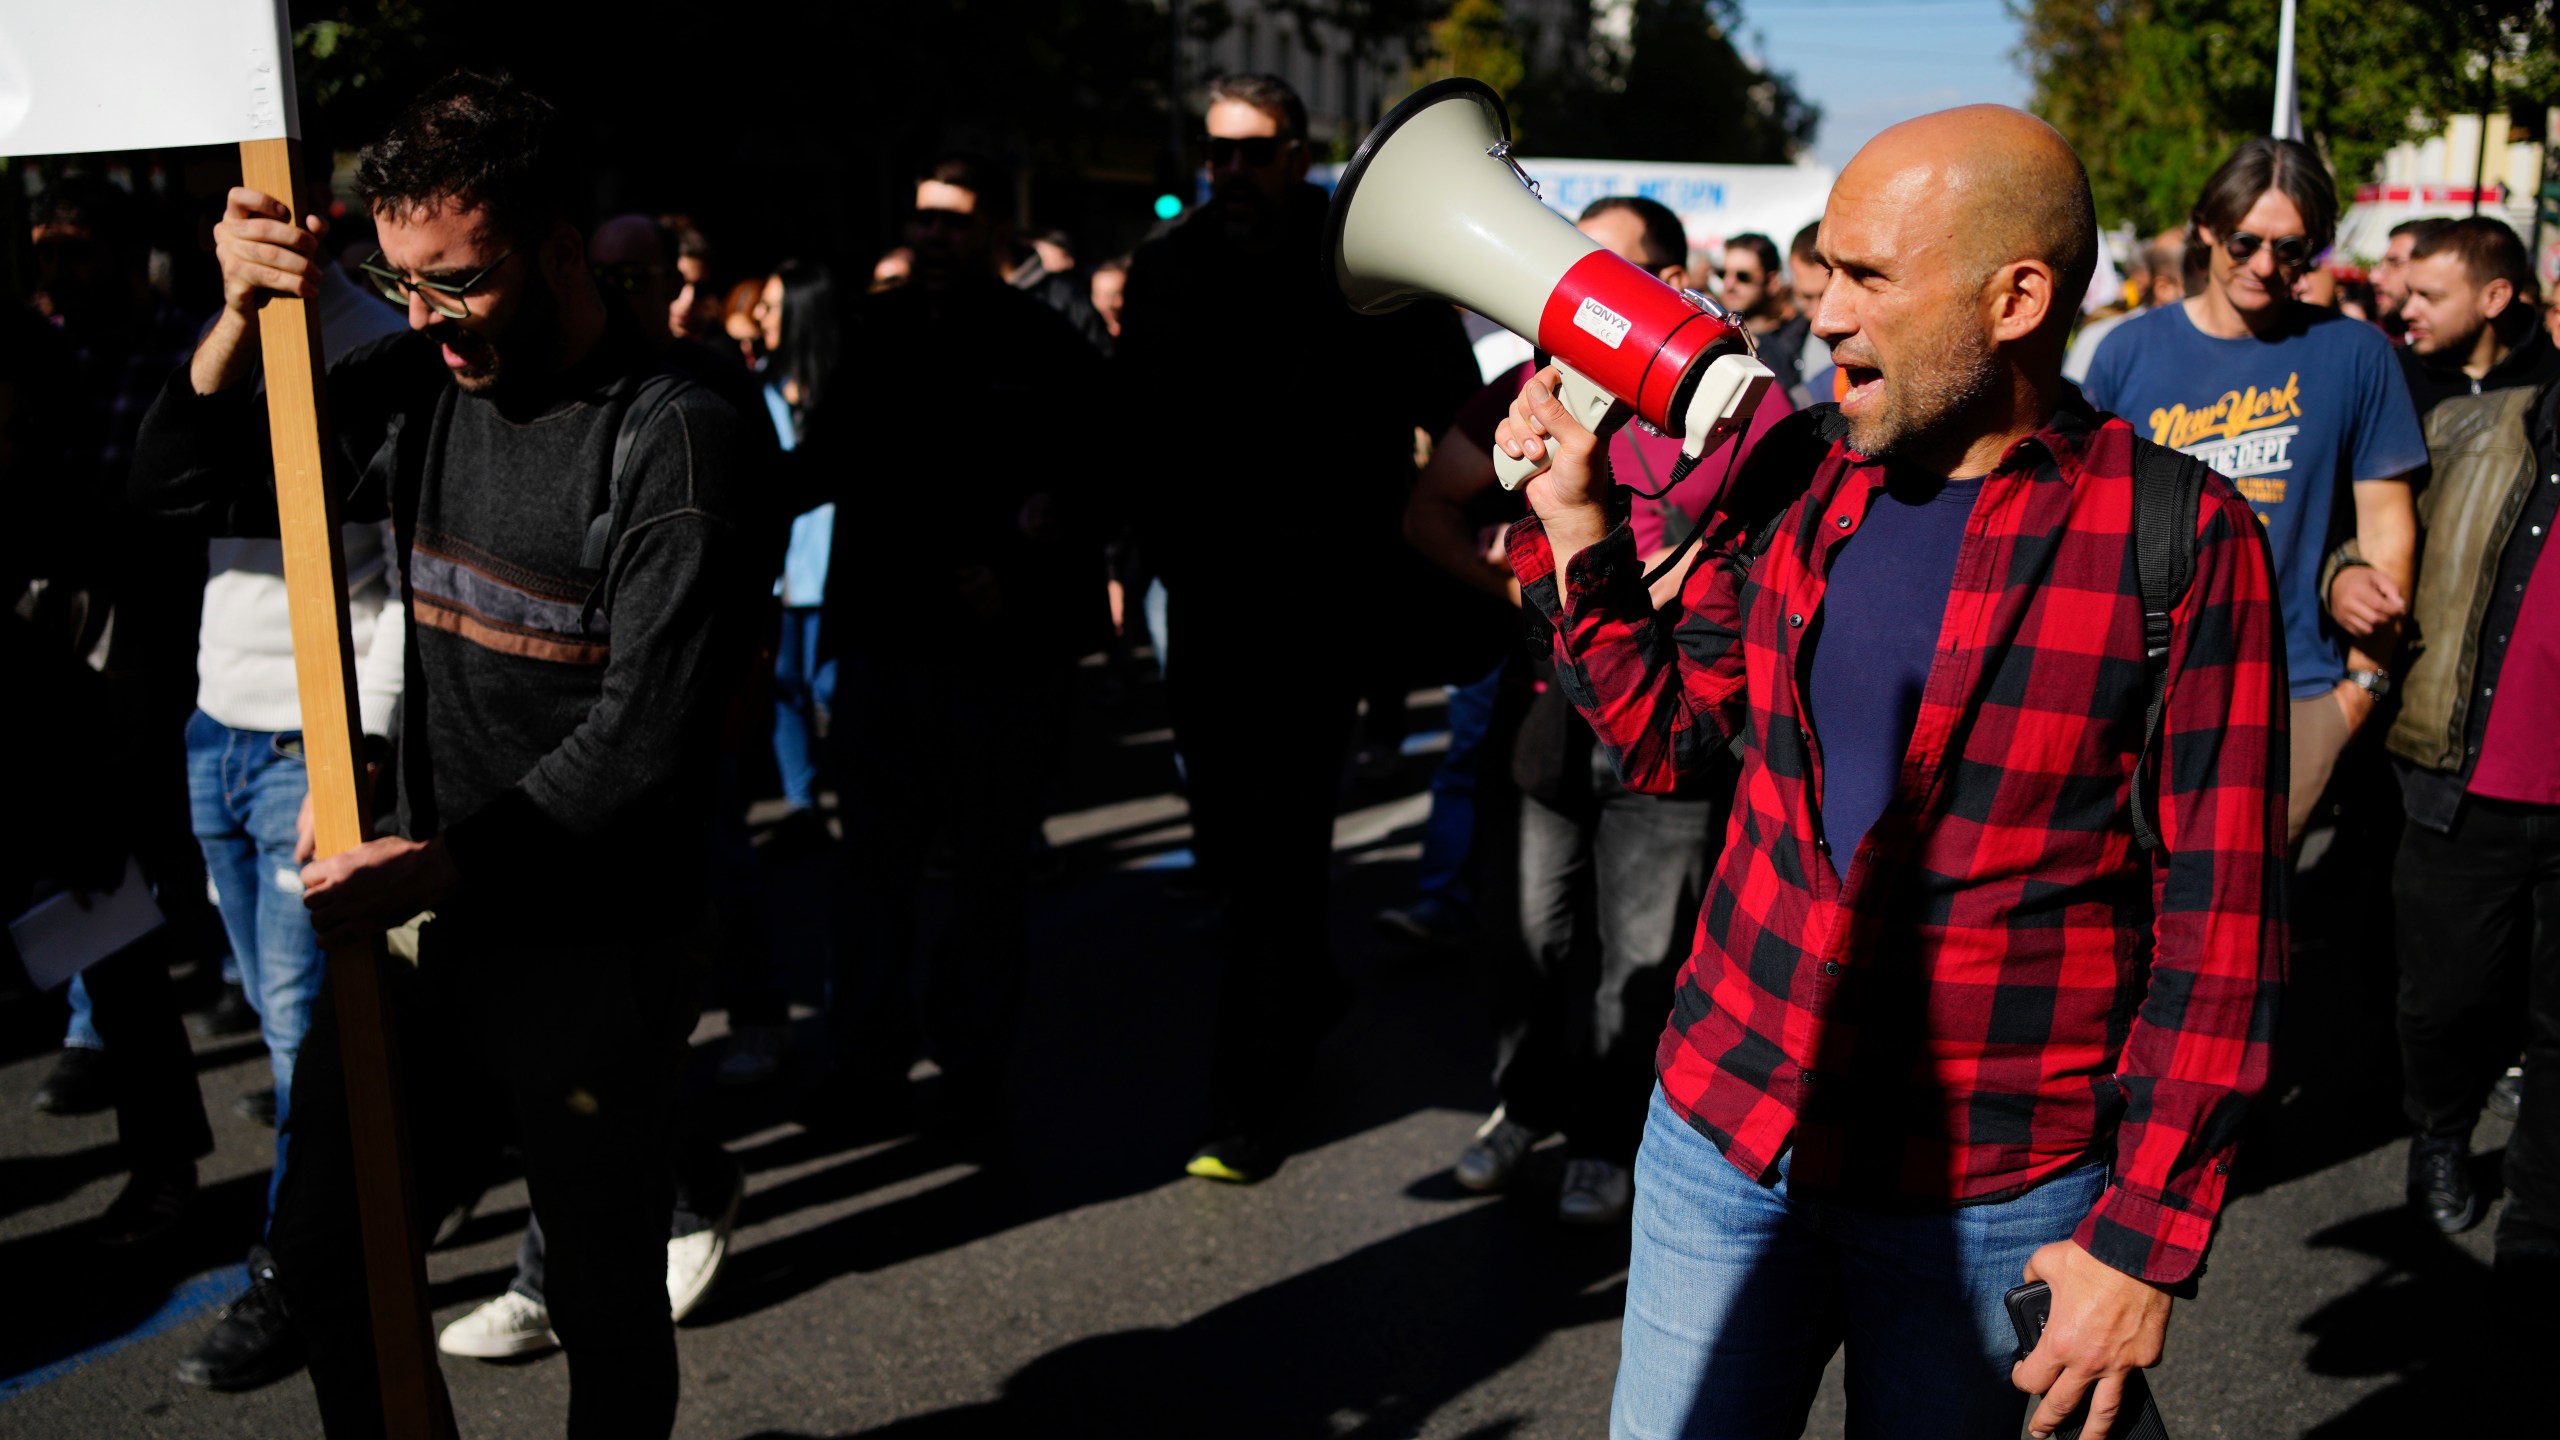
1595, 1193
508, 1325
693, 1261
755, 1055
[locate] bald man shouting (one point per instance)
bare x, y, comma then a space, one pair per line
1946, 1024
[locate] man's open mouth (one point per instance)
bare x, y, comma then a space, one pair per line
1864, 382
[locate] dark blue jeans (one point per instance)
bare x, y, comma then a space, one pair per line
804, 684
1738, 1293
1450, 832
244, 792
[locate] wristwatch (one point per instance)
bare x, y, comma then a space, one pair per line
2376, 683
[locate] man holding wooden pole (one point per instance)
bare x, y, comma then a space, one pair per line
567, 518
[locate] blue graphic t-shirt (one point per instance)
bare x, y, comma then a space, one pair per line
2294, 422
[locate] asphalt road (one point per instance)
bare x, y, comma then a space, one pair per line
1077, 1285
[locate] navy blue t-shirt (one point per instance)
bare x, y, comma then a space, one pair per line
2293, 421
1872, 643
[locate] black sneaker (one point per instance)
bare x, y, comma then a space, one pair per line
258, 1105
231, 1014
152, 1203
1241, 1159
2440, 1183
2507, 1094
82, 1083
253, 1341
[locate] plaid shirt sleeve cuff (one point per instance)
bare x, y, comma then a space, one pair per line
2146, 1239
1593, 574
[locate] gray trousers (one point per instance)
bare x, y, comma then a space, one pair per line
1609, 893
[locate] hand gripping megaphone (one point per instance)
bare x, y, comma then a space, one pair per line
1434, 205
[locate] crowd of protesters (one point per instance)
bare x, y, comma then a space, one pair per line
1937, 879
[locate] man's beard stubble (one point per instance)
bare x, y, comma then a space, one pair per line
516, 356
1920, 397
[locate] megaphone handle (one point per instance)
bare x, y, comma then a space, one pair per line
1581, 396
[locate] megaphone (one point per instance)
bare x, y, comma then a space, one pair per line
1433, 205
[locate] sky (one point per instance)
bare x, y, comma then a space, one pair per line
1870, 63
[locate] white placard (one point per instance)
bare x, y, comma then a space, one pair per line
81, 75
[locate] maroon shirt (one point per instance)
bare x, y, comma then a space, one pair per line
1637, 460
2518, 760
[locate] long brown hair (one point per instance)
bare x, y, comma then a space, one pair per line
2261, 165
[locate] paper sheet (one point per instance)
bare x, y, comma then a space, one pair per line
59, 937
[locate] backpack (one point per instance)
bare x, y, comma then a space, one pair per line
2168, 495
644, 396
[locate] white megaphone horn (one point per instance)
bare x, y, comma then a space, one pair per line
1434, 205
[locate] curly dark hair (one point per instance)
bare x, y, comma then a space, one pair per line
475, 141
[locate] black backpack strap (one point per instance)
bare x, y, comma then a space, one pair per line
2168, 493
646, 396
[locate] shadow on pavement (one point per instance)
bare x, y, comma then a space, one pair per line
1372, 1344
92, 1295
2429, 1319
27, 1181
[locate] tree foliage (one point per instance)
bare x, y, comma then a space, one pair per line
2155, 93
1475, 38
1678, 89
356, 63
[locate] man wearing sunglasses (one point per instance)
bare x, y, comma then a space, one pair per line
571, 569
2302, 408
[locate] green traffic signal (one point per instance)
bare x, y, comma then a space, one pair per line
1168, 206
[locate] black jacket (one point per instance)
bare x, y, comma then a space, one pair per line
2437, 378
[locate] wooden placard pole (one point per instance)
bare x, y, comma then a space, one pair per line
414, 1404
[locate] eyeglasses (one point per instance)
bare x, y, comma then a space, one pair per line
1256, 149
442, 296
2292, 251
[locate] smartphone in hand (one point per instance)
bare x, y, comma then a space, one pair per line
2030, 1305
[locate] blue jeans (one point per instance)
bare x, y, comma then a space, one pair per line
1738, 1293
1450, 832
803, 686
244, 792
81, 1033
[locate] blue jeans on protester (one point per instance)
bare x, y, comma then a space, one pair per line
803, 685
1449, 833
82, 1031
244, 791
1738, 1293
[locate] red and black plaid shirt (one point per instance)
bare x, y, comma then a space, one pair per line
1998, 985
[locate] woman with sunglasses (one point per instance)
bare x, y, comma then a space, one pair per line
2303, 407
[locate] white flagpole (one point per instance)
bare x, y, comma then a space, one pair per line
2287, 124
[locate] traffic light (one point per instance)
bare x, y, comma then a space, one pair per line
1168, 205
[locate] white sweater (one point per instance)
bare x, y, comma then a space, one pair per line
244, 652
